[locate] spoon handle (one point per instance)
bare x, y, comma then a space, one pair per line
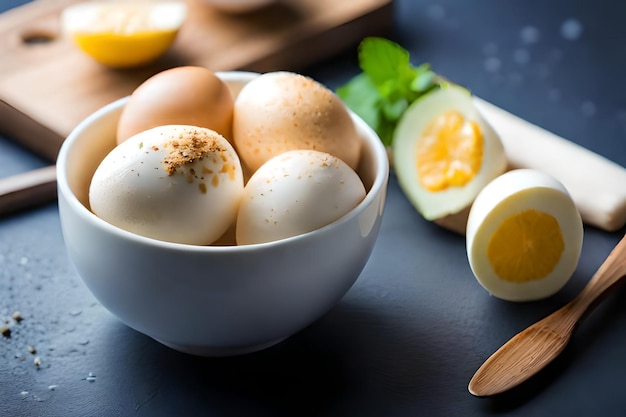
610, 273
533, 348
28, 189
604, 280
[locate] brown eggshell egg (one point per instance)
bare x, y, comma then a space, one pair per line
189, 95
282, 111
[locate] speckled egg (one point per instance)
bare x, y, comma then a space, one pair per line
294, 193
282, 111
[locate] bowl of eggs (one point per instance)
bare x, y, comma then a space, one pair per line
221, 213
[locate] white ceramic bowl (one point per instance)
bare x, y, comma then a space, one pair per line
213, 300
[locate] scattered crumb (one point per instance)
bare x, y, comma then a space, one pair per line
17, 316
5, 331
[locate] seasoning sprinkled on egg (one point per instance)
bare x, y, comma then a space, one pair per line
190, 146
175, 183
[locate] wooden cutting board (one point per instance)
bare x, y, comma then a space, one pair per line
47, 85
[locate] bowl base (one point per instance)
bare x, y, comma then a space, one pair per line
220, 351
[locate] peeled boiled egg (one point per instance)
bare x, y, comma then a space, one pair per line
188, 95
174, 183
524, 236
444, 152
281, 111
296, 192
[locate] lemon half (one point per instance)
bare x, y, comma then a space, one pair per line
124, 34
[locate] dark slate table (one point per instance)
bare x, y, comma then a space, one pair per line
408, 336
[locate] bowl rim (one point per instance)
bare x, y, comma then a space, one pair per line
378, 184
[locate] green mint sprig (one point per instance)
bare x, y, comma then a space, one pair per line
388, 84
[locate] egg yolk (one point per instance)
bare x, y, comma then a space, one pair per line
449, 153
121, 50
526, 246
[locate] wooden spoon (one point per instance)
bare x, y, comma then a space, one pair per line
532, 349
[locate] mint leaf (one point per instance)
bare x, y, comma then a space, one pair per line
383, 61
393, 110
360, 95
387, 86
424, 79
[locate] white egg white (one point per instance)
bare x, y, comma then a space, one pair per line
510, 194
132, 190
435, 205
294, 193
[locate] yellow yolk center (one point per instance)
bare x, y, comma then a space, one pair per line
121, 50
526, 246
449, 153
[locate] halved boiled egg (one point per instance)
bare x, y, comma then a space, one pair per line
524, 236
124, 34
444, 152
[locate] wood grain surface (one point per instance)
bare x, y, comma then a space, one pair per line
47, 85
